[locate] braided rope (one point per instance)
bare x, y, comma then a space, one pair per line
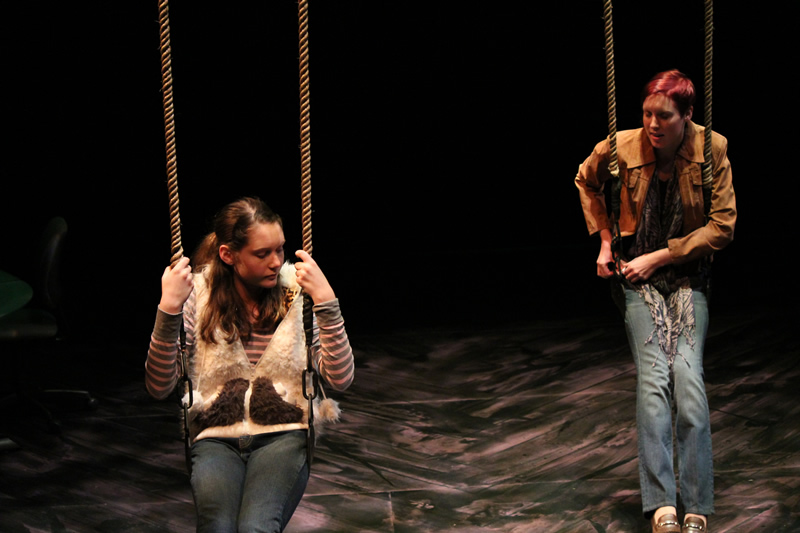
613, 166
305, 126
169, 132
305, 143
709, 50
174, 204
611, 87
311, 385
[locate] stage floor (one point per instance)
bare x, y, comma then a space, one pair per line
523, 427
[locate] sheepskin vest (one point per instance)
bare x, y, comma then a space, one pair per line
231, 396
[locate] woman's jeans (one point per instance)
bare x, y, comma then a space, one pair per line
654, 412
248, 484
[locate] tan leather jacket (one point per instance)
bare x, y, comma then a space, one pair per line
637, 164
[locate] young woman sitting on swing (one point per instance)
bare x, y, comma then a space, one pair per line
246, 354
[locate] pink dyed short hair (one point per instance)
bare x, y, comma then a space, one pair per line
673, 84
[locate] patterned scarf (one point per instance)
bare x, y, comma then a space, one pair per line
668, 296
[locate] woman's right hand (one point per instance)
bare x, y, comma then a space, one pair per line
176, 286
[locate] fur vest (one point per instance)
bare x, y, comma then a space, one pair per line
232, 397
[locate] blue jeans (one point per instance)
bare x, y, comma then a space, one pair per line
654, 412
248, 484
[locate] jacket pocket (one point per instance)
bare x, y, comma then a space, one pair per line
695, 175
692, 195
695, 179
632, 177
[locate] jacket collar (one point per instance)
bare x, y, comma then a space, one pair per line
639, 152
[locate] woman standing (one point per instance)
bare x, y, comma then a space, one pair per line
665, 239
246, 354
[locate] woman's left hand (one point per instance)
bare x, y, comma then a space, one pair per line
641, 268
311, 278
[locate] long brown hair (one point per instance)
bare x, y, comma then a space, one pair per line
226, 311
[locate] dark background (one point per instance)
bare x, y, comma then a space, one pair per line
445, 139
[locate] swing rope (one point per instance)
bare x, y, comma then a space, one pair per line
305, 124
611, 86
613, 166
310, 389
708, 71
174, 203
169, 133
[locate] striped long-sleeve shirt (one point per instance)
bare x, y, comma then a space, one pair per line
332, 354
